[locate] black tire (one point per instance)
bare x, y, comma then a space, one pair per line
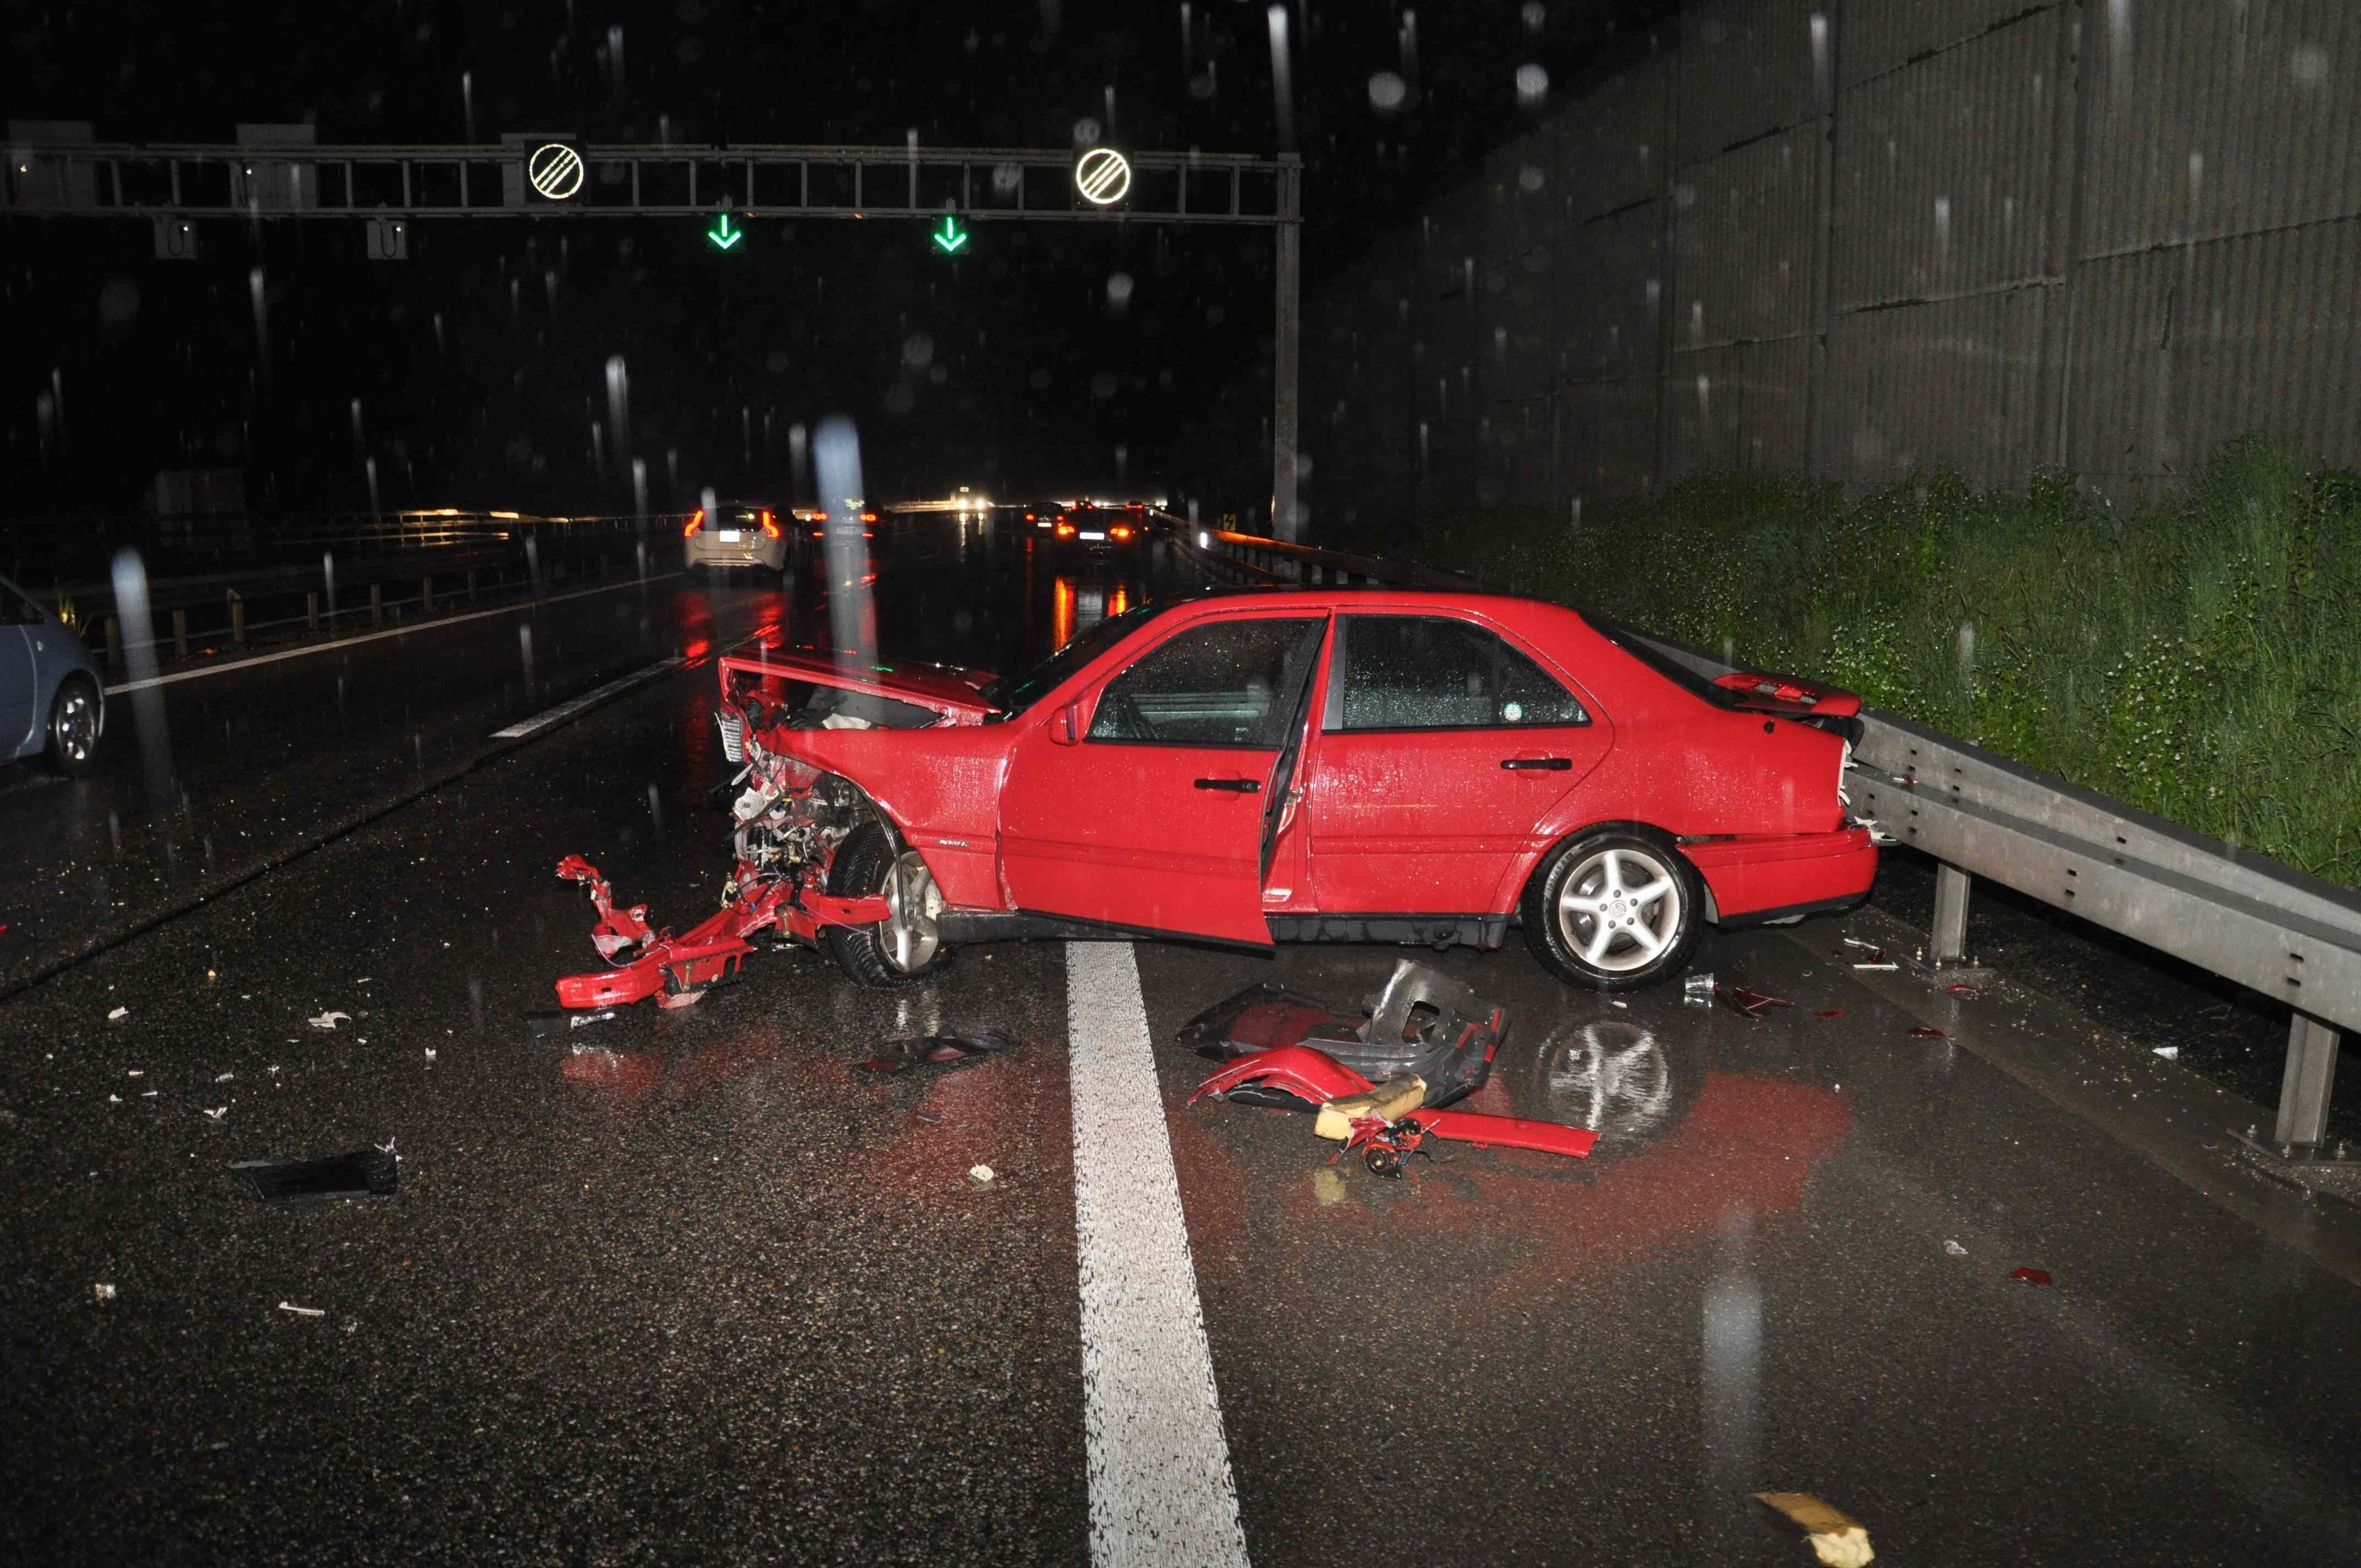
872, 955
75, 714
1595, 868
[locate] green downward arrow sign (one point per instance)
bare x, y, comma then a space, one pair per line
949, 238
722, 235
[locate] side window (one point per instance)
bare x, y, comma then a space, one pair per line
1418, 672
1228, 682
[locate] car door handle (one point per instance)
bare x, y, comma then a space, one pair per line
1540, 764
1235, 786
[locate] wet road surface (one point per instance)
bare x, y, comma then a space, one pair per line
691, 1287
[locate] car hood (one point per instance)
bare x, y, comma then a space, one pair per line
955, 692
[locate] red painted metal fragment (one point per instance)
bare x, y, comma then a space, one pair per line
2030, 1275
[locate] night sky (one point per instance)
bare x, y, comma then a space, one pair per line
1046, 358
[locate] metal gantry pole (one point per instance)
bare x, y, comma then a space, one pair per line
1287, 334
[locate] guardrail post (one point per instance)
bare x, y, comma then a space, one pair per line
376, 604
114, 644
471, 585
312, 612
2309, 1078
237, 619
427, 594
1951, 935
179, 634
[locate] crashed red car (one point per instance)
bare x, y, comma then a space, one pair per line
1256, 766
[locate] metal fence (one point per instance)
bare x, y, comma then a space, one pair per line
1864, 238
2291, 937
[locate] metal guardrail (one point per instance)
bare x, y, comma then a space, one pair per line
2292, 938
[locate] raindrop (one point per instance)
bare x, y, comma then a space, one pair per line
1532, 86
2309, 65
1038, 380
1942, 228
1530, 177
1102, 385
1118, 291
1387, 90
1283, 91
524, 653
917, 351
253, 287
1087, 132
619, 403
1534, 14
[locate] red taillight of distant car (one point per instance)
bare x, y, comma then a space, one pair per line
696, 521
769, 529
1120, 531
1065, 531
869, 517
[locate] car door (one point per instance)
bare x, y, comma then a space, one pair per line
1143, 804
19, 681
1441, 748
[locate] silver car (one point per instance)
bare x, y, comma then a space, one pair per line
739, 534
52, 700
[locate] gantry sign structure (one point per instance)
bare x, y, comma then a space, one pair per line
274, 173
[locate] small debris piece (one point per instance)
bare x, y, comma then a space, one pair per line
118, 1016
430, 1053
1746, 1002
1923, 1033
1955, 1249
2030, 1275
1878, 959
982, 1174
223, 1077
328, 1020
2170, 1053
1836, 1540
1830, 1012
114, 1099
938, 1050
303, 1311
1697, 990
135, 1072
215, 1114
566, 1023
102, 1291
1386, 1102
1963, 991
364, 1173
1619, 1002
1866, 947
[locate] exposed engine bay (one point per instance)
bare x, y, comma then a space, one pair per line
791, 823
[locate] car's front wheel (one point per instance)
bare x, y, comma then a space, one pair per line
906, 946
1615, 909
73, 725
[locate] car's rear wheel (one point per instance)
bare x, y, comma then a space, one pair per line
1616, 909
906, 946
74, 725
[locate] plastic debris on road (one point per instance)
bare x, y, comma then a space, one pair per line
372, 1172
215, 1114
1955, 1249
566, 1023
938, 1050
1748, 1002
1830, 1012
2030, 1275
303, 1311
101, 1291
1697, 990
982, 1174
1924, 1032
328, 1020
1836, 1540
2170, 1053
1963, 991
118, 1016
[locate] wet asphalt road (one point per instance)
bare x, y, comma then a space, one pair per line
698, 1291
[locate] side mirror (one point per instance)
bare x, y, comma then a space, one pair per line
1066, 724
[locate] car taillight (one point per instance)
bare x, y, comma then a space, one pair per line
869, 517
1120, 531
696, 521
1065, 531
769, 529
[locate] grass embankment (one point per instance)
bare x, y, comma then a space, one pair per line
2197, 657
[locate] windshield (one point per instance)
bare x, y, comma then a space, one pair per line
1013, 696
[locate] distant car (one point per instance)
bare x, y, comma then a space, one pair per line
738, 534
1100, 528
52, 700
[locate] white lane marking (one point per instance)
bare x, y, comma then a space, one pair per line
566, 710
435, 625
1161, 1492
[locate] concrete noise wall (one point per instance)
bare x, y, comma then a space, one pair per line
1868, 237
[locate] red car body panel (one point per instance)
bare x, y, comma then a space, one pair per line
1030, 816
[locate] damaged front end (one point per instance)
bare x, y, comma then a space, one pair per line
790, 821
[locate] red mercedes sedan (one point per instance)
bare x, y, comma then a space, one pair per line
1260, 766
